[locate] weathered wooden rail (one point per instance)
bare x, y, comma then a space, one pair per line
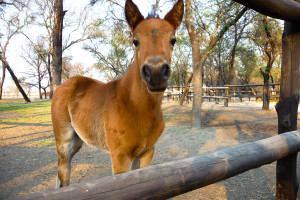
208, 93
227, 93
174, 178
251, 91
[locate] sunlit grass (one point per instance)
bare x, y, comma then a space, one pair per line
25, 108
34, 118
20, 113
49, 142
179, 129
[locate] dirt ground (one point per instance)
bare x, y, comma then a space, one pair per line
28, 158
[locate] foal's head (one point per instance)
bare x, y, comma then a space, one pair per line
154, 39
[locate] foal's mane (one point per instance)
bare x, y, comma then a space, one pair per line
152, 15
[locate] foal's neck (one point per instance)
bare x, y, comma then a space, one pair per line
137, 89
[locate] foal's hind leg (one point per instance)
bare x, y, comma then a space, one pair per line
66, 146
146, 158
120, 162
143, 161
135, 163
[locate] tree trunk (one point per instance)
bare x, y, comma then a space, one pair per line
231, 65
197, 97
50, 76
287, 109
39, 82
45, 92
178, 76
15, 79
266, 95
57, 42
266, 90
197, 69
186, 90
2, 80
219, 81
40, 91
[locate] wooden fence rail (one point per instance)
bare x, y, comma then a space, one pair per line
227, 93
174, 178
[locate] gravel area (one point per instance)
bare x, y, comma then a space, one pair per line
28, 168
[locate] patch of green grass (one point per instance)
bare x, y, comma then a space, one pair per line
43, 118
25, 108
168, 117
44, 142
179, 129
21, 112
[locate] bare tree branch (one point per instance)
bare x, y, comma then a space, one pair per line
93, 2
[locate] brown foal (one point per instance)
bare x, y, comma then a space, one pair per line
122, 116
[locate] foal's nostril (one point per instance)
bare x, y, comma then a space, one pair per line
165, 71
146, 72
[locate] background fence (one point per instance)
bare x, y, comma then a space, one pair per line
226, 93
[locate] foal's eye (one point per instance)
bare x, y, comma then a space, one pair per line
173, 41
136, 43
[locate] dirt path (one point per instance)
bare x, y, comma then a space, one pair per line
28, 156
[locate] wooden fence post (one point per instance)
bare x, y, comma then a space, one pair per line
228, 97
227, 92
216, 93
287, 109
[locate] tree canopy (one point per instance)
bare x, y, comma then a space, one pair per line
224, 32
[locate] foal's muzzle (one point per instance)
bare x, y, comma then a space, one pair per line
156, 75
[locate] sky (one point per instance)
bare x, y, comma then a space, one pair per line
18, 42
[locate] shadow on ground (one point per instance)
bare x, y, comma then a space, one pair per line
29, 163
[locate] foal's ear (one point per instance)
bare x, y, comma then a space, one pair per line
174, 17
132, 14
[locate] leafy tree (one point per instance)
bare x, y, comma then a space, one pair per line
18, 4
247, 62
180, 59
238, 34
71, 70
118, 53
266, 34
12, 25
75, 23
36, 75
222, 15
218, 69
216, 64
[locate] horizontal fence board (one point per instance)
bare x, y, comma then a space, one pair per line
216, 97
253, 85
174, 178
216, 88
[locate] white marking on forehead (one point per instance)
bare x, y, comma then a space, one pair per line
154, 31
